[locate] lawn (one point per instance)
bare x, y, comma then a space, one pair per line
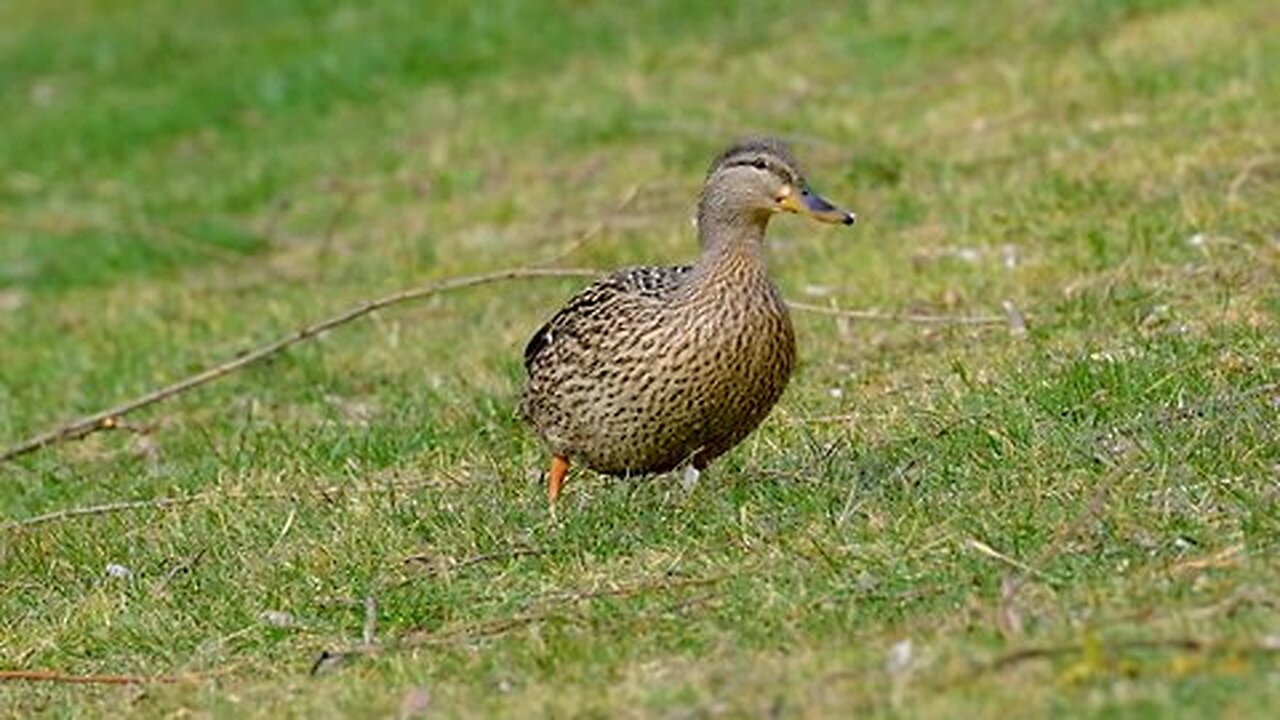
939, 519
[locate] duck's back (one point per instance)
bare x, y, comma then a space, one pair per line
641, 372
631, 292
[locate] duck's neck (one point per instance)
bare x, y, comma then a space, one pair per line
732, 245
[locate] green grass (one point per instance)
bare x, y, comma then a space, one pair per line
178, 185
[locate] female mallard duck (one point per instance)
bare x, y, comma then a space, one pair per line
656, 368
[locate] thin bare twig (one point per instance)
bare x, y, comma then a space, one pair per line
1237, 183
104, 509
455, 565
500, 626
915, 318
110, 418
185, 566
169, 502
61, 677
1016, 657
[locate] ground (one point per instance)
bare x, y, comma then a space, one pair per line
939, 520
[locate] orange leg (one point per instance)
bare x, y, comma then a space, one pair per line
555, 478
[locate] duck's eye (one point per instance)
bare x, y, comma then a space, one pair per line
759, 164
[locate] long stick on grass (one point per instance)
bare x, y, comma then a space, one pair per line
165, 503
109, 419
55, 676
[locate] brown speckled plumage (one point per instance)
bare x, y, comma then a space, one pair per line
653, 368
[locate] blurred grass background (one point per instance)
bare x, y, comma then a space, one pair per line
179, 184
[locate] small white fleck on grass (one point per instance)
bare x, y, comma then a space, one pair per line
119, 571
900, 657
689, 479
1009, 256
1017, 321
276, 618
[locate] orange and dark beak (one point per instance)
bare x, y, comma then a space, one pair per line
808, 202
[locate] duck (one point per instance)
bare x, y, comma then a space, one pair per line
656, 369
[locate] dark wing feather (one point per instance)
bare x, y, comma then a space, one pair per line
537, 343
640, 281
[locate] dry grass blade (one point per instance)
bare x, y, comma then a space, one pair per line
991, 552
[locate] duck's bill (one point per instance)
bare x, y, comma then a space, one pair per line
808, 202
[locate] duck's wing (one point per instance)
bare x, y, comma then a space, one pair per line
603, 300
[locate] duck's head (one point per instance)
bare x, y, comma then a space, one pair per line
756, 179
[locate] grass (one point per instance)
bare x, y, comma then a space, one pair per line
178, 186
